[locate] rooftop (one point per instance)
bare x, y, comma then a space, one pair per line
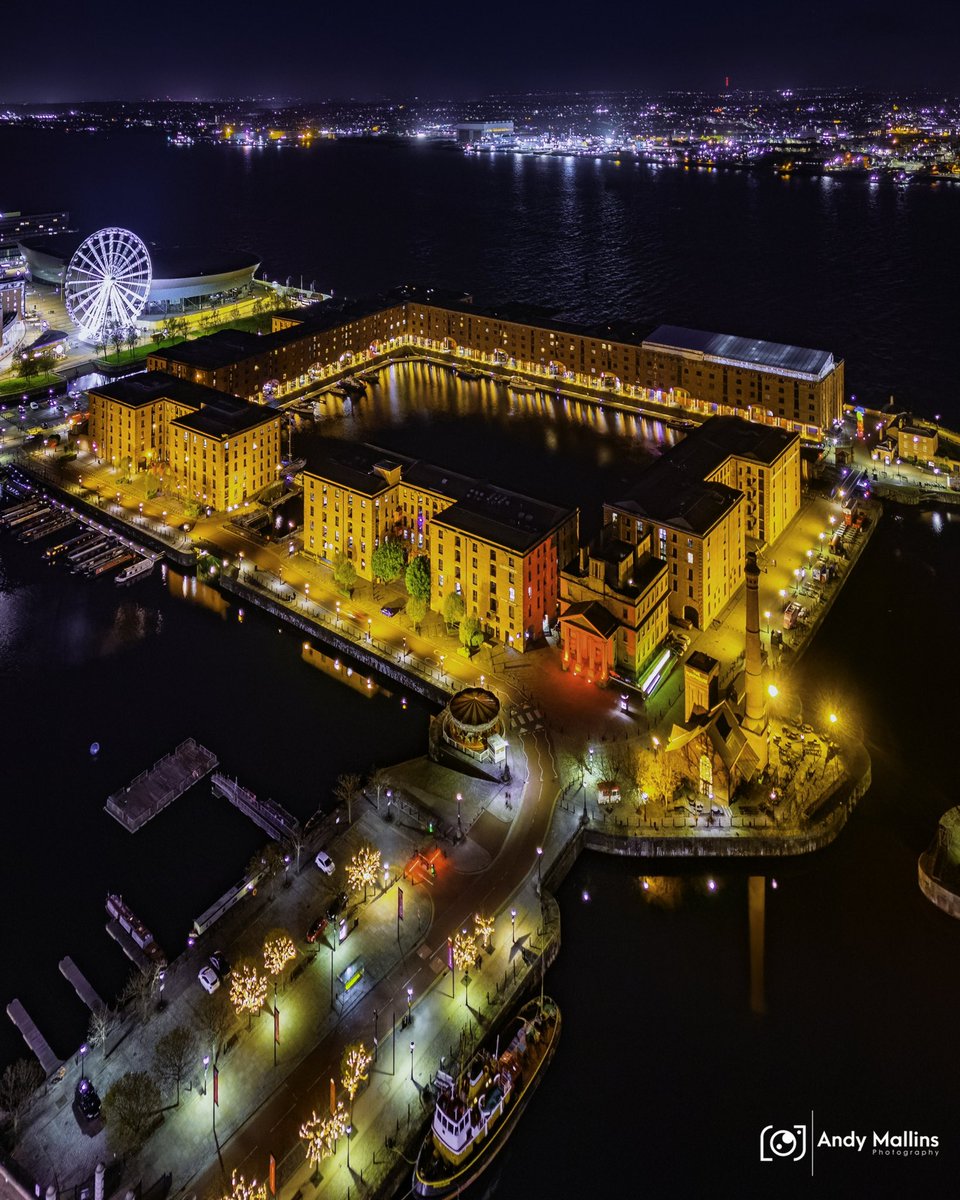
502, 517
674, 489
751, 352
224, 416
149, 386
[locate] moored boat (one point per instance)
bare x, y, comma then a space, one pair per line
476, 1112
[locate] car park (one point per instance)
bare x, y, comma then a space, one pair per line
88, 1102
209, 979
316, 930
324, 862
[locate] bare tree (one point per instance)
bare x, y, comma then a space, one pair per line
175, 1056
140, 990
378, 781
215, 1019
103, 1021
17, 1085
347, 789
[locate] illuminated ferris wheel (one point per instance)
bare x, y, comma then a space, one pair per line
107, 282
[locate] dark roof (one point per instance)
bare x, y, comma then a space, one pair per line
594, 614
148, 386
352, 464
505, 518
50, 338
674, 490
166, 262
751, 352
220, 349
223, 416
699, 661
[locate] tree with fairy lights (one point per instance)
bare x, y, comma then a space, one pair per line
353, 1070
241, 1190
278, 950
320, 1134
483, 931
464, 956
248, 990
363, 870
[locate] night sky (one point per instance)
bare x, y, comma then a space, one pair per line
433, 49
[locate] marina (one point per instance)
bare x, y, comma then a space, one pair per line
154, 789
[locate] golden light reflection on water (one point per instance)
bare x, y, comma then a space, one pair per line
195, 591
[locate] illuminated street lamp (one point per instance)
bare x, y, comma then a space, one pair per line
206, 1064
513, 925
409, 1003
412, 1044
459, 813
539, 861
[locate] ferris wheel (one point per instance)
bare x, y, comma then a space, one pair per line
107, 282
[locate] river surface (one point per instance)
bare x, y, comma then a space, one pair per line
664, 1078
867, 272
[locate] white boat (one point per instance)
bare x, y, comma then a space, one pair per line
136, 570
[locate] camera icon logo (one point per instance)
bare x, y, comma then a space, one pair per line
789, 1143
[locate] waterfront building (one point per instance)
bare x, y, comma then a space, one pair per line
484, 131
500, 550
915, 439
712, 374
615, 613
791, 386
17, 225
12, 317
182, 279
218, 449
726, 481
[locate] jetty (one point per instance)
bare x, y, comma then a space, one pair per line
272, 818
32, 1036
154, 789
81, 984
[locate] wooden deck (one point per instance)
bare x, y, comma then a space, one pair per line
167, 779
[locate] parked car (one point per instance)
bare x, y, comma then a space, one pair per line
220, 963
324, 862
209, 979
316, 930
336, 906
389, 610
88, 1102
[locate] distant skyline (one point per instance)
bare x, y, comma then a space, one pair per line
443, 51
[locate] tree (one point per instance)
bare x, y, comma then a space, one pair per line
129, 1108
416, 610
278, 950
140, 991
156, 337
388, 560
320, 1134
103, 1021
131, 337
27, 367
363, 870
454, 609
483, 930
268, 863
471, 634
248, 990
347, 789
175, 1056
378, 781
19, 1081
241, 1190
215, 1016
344, 573
45, 363
100, 343
353, 1070
417, 578
116, 336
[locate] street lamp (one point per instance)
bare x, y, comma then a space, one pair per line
338, 614
412, 1044
513, 925
409, 1002
459, 820
369, 628
206, 1064
539, 861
